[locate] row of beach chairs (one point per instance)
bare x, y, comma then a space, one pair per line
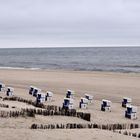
8, 90
68, 102
40, 96
130, 112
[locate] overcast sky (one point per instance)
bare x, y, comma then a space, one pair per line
48, 23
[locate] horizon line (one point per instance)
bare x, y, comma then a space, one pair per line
100, 46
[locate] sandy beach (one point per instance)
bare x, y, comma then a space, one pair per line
102, 85
70, 70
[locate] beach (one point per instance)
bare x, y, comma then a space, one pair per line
70, 70
102, 85
113, 86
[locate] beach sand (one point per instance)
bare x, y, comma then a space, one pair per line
102, 85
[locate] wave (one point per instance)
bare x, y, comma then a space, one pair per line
19, 68
12, 68
122, 70
132, 66
107, 70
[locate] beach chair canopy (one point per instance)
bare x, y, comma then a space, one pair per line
89, 97
84, 100
36, 90
131, 109
40, 95
70, 92
106, 102
10, 89
127, 100
2, 85
49, 94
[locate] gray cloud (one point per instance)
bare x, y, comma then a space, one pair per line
45, 23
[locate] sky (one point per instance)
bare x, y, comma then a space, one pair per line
69, 23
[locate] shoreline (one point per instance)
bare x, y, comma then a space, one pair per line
67, 70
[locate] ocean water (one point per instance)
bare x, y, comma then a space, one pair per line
116, 59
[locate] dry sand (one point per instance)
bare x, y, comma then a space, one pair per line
112, 86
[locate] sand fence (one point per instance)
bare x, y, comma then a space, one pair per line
46, 110
88, 126
116, 128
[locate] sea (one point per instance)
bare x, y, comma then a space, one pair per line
113, 59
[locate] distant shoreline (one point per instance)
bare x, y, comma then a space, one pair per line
65, 70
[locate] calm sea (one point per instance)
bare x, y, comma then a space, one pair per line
89, 59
